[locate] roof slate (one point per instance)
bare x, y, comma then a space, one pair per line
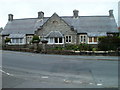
96, 34
85, 24
16, 35
54, 34
82, 24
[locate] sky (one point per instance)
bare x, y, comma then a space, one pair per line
30, 8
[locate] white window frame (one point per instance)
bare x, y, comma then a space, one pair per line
84, 38
21, 40
53, 40
69, 37
17, 41
29, 38
93, 41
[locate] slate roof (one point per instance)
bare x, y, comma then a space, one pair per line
23, 26
54, 34
83, 24
96, 34
16, 35
86, 24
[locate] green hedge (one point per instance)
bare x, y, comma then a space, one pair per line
107, 43
74, 47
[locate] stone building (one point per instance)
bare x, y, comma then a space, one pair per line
0, 37
119, 14
60, 29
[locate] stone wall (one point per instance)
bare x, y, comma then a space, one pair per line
55, 23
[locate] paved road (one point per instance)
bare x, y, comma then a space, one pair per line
28, 70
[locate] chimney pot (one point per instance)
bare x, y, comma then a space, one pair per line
40, 15
10, 17
111, 13
75, 13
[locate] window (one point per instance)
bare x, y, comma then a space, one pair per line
83, 38
68, 39
17, 40
56, 40
60, 40
95, 39
20, 40
13, 40
90, 39
51, 40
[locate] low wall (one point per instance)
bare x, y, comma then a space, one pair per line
30, 48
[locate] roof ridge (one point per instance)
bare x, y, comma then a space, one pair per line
28, 18
85, 16
62, 17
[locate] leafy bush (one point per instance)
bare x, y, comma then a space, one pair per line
79, 47
84, 46
58, 48
74, 47
7, 40
94, 49
35, 39
109, 43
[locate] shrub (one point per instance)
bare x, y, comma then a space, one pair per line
7, 40
94, 49
58, 48
71, 47
109, 43
35, 39
84, 46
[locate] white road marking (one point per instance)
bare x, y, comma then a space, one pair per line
6, 73
90, 83
44, 76
67, 81
99, 84
77, 82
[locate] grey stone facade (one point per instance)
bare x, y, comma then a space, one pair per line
0, 37
55, 23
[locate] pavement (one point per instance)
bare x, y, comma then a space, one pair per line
29, 70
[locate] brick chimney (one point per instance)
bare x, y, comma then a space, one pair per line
75, 13
111, 14
10, 17
40, 15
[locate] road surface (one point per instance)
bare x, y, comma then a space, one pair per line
30, 70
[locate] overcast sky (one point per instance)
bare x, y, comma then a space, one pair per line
29, 8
